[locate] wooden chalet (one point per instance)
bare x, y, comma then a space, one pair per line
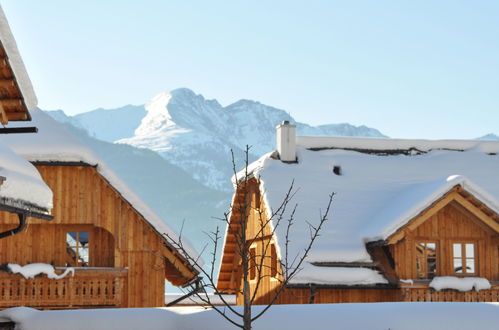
99, 227
411, 221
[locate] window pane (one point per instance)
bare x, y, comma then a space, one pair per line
432, 267
458, 266
431, 247
71, 239
252, 264
470, 266
84, 258
457, 250
470, 251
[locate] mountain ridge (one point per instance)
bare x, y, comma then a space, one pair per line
199, 134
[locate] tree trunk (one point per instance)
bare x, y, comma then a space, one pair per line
247, 306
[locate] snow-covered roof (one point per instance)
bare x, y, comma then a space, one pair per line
16, 62
23, 186
378, 190
53, 143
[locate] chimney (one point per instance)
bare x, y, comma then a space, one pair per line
286, 142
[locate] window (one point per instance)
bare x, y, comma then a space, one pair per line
463, 258
77, 249
252, 264
273, 261
426, 260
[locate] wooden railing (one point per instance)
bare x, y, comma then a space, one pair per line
90, 287
420, 291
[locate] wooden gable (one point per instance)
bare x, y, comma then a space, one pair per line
481, 212
456, 218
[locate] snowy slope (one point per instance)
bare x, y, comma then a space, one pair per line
197, 134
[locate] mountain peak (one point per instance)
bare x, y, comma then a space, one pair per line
490, 136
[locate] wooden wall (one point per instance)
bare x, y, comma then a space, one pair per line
452, 224
120, 237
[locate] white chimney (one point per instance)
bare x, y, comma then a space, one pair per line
286, 141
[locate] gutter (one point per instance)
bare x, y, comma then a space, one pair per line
197, 288
19, 228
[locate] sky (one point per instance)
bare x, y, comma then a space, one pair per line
412, 69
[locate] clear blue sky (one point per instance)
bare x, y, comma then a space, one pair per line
413, 69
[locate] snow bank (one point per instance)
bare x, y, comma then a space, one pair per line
460, 283
53, 143
23, 182
16, 62
381, 316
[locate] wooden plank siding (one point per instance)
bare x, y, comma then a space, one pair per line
119, 236
452, 222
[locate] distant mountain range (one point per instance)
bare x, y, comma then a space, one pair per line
198, 134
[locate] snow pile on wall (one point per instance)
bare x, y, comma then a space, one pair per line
381, 316
32, 270
53, 143
460, 283
23, 182
338, 276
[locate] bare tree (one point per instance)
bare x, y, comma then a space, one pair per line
250, 262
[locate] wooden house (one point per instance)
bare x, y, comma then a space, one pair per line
113, 240
411, 220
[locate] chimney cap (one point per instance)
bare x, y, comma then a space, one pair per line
285, 122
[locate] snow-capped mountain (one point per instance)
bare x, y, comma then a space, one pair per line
490, 137
198, 134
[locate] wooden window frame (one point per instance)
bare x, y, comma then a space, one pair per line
437, 258
79, 230
464, 257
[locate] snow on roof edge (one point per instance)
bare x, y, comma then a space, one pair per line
144, 210
451, 181
16, 62
381, 144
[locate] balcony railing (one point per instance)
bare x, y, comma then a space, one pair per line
420, 291
90, 287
